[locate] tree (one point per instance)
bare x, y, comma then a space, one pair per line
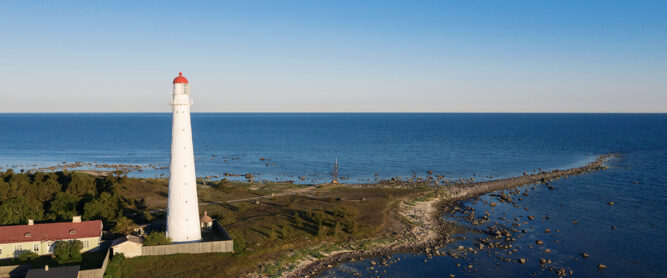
81, 185
156, 238
104, 207
4, 190
63, 206
19, 210
68, 251
122, 225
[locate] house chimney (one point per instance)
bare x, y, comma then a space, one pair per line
30, 222
46, 267
76, 219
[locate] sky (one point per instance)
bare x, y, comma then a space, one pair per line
335, 56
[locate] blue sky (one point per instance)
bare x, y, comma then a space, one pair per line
335, 56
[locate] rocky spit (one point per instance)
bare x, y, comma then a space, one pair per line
432, 233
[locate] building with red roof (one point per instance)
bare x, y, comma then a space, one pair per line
40, 238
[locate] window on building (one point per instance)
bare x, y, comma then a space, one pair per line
18, 248
35, 248
0, 251
85, 244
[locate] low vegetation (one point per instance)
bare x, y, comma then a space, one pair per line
68, 251
272, 227
156, 238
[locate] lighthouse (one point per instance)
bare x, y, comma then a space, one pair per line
182, 206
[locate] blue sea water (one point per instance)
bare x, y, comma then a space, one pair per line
376, 146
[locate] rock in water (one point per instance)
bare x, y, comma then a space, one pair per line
539, 242
522, 261
601, 266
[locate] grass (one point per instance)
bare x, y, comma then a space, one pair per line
272, 234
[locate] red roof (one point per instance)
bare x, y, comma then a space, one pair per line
50, 231
180, 78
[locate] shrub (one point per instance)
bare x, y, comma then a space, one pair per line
239, 242
272, 234
28, 256
67, 251
156, 238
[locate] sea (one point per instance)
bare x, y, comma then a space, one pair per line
303, 147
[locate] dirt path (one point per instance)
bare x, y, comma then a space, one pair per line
299, 191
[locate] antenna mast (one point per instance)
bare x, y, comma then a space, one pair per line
334, 173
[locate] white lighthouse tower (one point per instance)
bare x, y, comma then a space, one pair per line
183, 206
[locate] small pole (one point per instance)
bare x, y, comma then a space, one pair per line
334, 174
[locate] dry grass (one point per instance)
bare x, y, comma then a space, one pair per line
269, 229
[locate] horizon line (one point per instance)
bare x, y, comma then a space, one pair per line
355, 112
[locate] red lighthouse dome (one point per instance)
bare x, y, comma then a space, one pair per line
180, 79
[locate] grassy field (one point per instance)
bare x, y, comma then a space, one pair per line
274, 225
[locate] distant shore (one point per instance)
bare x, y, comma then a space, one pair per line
431, 232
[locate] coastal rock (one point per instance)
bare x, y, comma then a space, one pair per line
539, 242
522, 261
611, 203
601, 266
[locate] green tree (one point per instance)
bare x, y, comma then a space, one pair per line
63, 206
105, 207
17, 185
19, 210
81, 184
156, 238
122, 225
68, 251
4, 190
47, 188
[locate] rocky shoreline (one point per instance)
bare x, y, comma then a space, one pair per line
431, 232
